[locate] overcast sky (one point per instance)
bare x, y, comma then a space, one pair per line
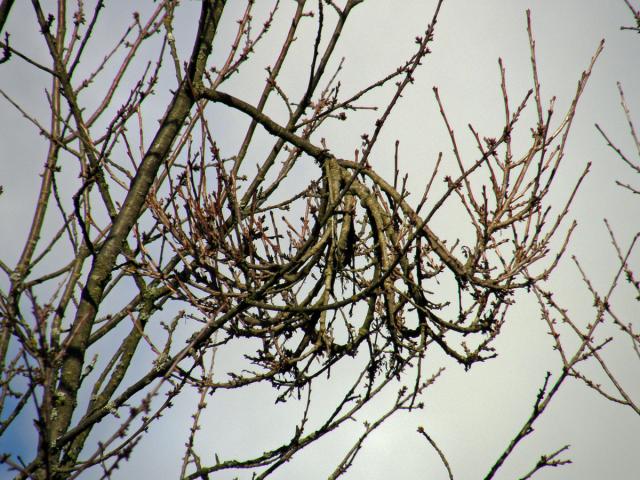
472, 415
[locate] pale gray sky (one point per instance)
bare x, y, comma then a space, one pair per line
472, 415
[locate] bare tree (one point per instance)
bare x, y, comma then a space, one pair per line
292, 279
590, 363
585, 345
